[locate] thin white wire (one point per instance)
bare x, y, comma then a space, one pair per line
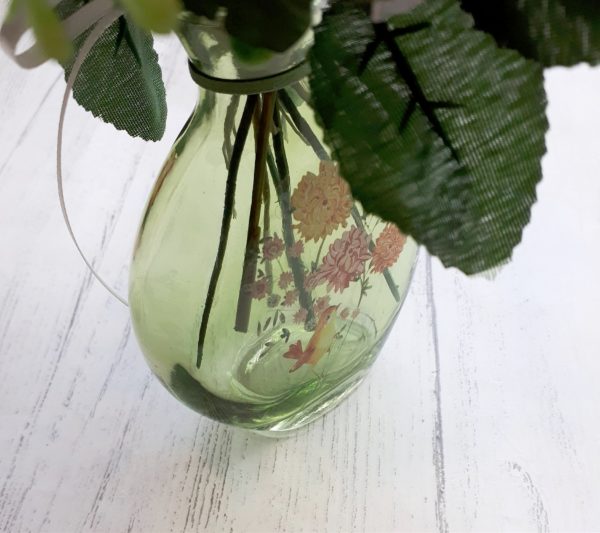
89, 42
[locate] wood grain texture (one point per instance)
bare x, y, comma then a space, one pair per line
480, 413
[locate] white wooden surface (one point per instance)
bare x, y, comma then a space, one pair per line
480, 415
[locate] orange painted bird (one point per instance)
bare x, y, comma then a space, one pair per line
319, 343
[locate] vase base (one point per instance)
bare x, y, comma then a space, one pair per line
311, 413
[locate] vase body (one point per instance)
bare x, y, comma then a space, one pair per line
269, 320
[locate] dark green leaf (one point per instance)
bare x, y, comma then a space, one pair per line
120, 81
205, 8
442, 133
275, 25
554, 32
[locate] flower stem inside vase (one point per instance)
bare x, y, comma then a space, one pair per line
236, 155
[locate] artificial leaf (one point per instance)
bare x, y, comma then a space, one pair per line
120, 80
49, 32
553, 32
191, 392
275, 25
204, 8
435, 128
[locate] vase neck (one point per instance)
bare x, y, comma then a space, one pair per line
215, 65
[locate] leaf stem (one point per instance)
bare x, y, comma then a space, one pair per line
242, 317
236, 156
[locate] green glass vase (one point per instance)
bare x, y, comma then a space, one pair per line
260, 292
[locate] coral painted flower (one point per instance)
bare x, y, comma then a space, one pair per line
259, 288
388, 247
285, 279
345, 313
300, 316
289, 298
297, 249
321, 304
321, 203
273, 300
345, 261
273, 247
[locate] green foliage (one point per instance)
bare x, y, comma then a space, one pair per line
120, 81
154, 15
249, 54
274, 25
553, 32
49, 32
434, 126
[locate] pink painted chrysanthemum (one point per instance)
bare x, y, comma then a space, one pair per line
259, 288
290, 297
285, 279
311, 280
272, 248
388, 247
345, 261
321, 304
300, 316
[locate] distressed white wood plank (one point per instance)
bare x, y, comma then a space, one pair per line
91, 441
520, 356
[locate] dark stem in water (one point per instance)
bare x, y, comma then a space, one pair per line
242, 317
234, 163
322, 154
281, 181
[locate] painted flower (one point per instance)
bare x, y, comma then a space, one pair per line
355, 313
345, 261
321, 203
285, 279
321, 304
290, 297
273, 300
259, 288
345, 313
296, 250
273, 247
387, 249
300, 316
311, 280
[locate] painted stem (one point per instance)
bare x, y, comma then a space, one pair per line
234, 164
242, 317
322, 154
267, 230
316, 263
281, 180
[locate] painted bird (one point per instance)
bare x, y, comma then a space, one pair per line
319, 343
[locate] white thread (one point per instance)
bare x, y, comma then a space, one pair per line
88, 44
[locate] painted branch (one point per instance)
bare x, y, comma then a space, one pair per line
306, 131
281, 180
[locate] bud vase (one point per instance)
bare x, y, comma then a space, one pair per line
260, 291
